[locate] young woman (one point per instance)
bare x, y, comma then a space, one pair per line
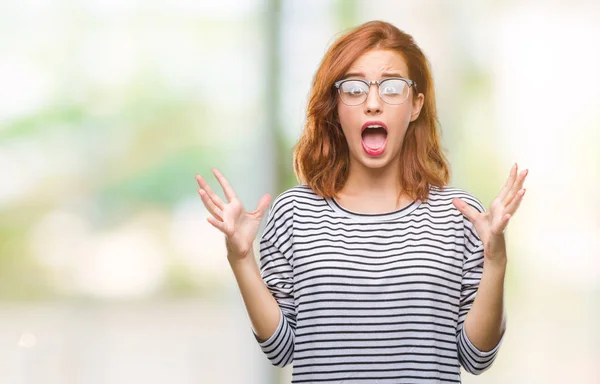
372, 269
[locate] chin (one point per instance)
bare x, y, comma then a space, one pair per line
375, 162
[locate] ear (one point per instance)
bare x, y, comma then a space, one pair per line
417, 105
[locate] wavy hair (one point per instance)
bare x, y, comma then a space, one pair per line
322, 157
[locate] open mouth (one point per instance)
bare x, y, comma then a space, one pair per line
374, 138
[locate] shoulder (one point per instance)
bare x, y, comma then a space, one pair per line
284, 203
443, 197
298, 193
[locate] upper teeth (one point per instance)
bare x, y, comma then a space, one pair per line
374, 126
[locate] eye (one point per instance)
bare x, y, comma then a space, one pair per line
390, 90
353, 88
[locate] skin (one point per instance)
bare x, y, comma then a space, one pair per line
372, 187
486, 321
240, 229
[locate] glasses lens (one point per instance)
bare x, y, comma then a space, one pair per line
353, 92
393, 91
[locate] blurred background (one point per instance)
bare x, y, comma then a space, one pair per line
109, 271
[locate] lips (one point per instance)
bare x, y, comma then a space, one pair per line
373, 123
374, 137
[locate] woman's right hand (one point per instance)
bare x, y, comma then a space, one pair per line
240, 227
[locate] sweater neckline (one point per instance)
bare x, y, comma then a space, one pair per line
372, 217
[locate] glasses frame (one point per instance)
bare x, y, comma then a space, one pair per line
409, 82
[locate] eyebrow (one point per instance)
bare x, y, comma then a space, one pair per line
362, 75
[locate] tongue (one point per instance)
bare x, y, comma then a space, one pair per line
374, 138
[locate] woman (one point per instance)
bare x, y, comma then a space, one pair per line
372, 269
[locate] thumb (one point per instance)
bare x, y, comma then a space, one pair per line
263, 204
464, 208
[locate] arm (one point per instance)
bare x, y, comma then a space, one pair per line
481, 318
260, 304
481, 332
277, 342
486, 321
267, 293
276, 272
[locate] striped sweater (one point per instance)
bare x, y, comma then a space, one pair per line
372, 298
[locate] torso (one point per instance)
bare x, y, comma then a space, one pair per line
376, 286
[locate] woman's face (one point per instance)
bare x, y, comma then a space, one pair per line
377, 147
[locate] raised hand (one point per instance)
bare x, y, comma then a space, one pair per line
240, 227
490, 225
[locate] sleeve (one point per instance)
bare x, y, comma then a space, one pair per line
471, 358
276, 271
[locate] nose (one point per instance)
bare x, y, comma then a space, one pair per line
373, 105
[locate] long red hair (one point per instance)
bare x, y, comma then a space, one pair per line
322, 157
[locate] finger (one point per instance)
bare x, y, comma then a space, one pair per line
229, 193
514, 205
515, 188
212, 208
464, 208
213, 196
509, 182
262, 206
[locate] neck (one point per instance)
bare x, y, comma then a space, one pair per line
369, 182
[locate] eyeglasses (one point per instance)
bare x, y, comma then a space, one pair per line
392, 90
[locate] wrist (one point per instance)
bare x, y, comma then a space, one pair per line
495, 263
241, 261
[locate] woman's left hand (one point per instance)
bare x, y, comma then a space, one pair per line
490, 225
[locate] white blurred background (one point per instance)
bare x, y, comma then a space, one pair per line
109, 272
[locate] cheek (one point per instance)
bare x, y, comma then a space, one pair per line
402, 115
346, 116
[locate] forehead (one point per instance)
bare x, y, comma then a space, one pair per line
375, 62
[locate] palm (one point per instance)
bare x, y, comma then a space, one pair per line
490, 225
240, 227
494, 218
